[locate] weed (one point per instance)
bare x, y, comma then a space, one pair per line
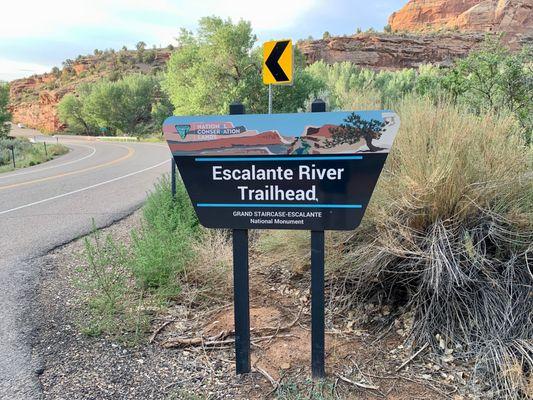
169, 258
113, 307
163, 246
26, 153
308, 390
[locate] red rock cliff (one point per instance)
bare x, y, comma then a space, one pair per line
514, 17
391, 51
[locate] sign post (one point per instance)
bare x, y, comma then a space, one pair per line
13, 155
173, 177
278, 65
317, 289
241, 287
307, 171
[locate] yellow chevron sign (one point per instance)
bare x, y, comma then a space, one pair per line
278, 62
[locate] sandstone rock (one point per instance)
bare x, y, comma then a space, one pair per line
513, 17
384, 51
80, 67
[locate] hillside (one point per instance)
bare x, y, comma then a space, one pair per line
34, 100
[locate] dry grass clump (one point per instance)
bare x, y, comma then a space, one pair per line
208, 277
292, 248
449, 234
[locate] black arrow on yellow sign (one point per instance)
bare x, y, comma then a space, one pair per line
272, 62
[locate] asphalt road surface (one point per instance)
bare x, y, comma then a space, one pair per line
47, 205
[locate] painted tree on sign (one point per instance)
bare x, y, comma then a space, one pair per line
354, 129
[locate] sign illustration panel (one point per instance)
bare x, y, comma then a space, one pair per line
311, 171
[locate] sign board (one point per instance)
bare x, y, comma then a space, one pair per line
278, 62
313, 171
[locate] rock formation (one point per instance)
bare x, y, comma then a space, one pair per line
386, 51
37, 107
513, 17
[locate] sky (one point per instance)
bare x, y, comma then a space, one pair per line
36, 35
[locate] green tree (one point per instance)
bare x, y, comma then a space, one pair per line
354, 129
495, 79
218, 65
71, 112
149, 56
5, 115
123, 106
140, 46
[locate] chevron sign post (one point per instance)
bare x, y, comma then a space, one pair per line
278, 65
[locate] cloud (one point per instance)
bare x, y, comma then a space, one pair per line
11, 69
55, 18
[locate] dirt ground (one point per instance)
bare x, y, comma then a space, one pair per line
190, 355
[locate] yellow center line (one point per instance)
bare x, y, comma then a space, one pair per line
131, 151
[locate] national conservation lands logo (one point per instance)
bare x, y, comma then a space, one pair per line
183, 130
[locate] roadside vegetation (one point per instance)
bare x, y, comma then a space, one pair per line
5, 116
129, 106
170, 259
27, 154
447, 237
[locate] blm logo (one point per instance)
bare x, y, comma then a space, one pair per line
183, 130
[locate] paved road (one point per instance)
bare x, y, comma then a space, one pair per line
48, 205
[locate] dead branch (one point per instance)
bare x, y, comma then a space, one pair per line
272, 381
359, 384
412, 357
208, 342
158, 330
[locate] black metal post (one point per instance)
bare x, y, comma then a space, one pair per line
241, 287
173, 176
317, 289
318, 105
241, 292
45, 150
13, 156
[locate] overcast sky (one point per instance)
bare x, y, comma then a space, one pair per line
36, 35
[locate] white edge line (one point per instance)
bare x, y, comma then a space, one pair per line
83, 189
53, 166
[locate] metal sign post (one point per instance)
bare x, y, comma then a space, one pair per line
317, 289
173, 177
13, 156
270, 99
241, 287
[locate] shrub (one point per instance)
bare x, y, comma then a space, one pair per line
169, 259
163, 246
448, 234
